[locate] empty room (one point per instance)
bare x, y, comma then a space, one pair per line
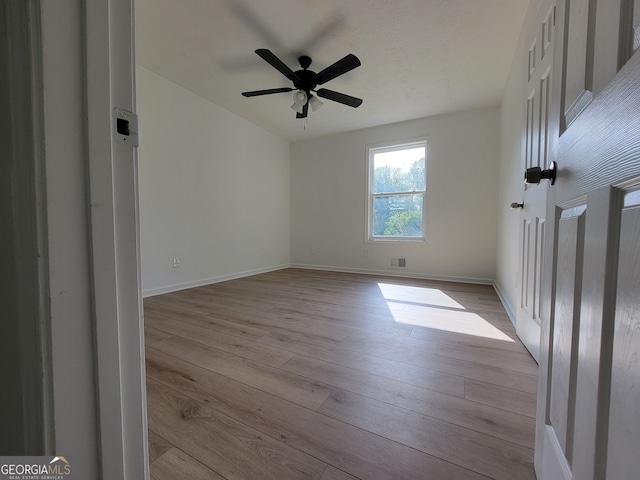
323, 239
318, 282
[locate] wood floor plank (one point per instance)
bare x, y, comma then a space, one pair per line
451, 338
158, 446
454, 321
294, 314
272, 380
153, 335
500, 397
487, 420
482, 453
223, 444
157, 307
175, 464
260, 320
494, 359
454, 366
227, 396
340, 354
332, 473
350, 449
381, 346
345, 322
227, 343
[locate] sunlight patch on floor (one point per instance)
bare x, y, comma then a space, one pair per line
432, 308
421, 295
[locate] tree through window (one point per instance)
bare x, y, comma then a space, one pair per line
396, 193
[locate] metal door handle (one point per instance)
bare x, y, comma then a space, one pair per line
516, 205
536, 174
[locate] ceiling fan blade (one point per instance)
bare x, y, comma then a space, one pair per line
305, 111
278, 64
339, 97
255, 93
342, 66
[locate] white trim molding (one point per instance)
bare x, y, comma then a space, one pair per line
208, 281
391, 273
505, 303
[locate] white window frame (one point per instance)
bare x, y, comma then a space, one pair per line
392, 147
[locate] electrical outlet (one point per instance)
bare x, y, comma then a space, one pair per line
176, 262
314, 251
365, 253
262, 252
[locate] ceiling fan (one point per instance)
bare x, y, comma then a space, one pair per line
305, 81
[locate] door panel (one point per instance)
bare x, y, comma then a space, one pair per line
606, 61
624, 421
600, 37
540, 57
532, 232
545, 98
602, 230
566, 326
629, 30
577, 68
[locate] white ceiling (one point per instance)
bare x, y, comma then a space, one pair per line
419, 57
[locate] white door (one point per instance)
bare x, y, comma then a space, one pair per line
588, 426
535, 154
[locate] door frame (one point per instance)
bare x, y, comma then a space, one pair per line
115, 244
90, 375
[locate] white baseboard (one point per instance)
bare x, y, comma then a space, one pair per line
394, 273
386, 273
208, 281
505, 303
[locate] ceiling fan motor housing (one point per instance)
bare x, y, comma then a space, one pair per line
305, 80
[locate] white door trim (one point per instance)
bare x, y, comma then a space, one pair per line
94, 268
113, 192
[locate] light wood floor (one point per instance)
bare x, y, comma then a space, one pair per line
304, 374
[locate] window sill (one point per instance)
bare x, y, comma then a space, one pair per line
396, 240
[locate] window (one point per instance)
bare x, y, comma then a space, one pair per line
396, 192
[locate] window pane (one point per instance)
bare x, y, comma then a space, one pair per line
398, 216
399, 171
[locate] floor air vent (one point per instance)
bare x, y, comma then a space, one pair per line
395, 262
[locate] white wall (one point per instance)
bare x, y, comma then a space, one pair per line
328, 199
511, 185
214, 190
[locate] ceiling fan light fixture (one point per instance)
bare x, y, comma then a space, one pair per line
300, 97
315, 103
299, 100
